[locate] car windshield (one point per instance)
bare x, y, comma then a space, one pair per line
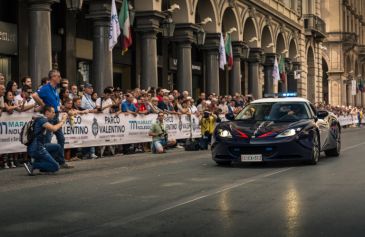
274, 111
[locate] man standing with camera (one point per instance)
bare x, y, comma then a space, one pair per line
159, 135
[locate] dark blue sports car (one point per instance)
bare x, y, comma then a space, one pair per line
277, 129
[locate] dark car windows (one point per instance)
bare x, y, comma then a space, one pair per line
275, 111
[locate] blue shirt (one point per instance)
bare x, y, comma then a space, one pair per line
126, 107
39, 130
49, 96
87, 102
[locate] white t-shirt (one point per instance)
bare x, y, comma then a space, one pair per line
193, 109
19, 100
105, 103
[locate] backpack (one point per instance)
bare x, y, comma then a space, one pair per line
27, 134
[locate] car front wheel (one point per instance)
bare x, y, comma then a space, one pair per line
315, 150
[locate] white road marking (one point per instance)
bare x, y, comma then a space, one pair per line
125, 180
353, 146
172, 184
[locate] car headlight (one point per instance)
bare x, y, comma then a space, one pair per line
289, 132
224, 133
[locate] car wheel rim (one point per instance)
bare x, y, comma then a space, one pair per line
315, 148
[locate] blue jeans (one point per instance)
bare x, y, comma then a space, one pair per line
59, 135
47, 158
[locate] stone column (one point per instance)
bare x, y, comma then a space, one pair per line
70, 47
165, 63
147, 23
344, 92
212, 62
40, 49
362, 99
102, 65
184, 36
235, 77
335, 88
23, 39
358, 98
284, 84
349, 94
268, 69
253, 72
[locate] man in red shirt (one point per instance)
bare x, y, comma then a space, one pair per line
141, 105
159, 94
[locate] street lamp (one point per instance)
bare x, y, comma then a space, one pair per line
245, 51
200, 34
168, 27
74, 5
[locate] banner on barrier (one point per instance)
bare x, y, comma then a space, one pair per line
99, 129
349, 120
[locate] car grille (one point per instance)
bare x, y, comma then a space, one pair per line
264, 150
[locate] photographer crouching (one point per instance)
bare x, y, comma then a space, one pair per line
207, 125
159, 134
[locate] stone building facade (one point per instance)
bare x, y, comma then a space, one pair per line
345, 44
321, 41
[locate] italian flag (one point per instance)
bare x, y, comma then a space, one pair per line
229, 52
125, 26
282, 69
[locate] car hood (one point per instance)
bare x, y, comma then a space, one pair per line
262, 129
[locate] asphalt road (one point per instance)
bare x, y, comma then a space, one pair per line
185, 194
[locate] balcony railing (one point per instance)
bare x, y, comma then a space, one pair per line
315, 26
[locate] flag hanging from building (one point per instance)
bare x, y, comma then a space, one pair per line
282, 69
125, 25
114, 31
229, 52
222, 53
275, 71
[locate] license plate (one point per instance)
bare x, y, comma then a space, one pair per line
251, 158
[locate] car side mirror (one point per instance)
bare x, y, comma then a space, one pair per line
315, 118
322, 114
230, 116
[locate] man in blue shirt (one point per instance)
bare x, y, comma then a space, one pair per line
128, 107
47, 157
48, 95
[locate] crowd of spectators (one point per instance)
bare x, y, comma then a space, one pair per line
82, 99
341, 110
